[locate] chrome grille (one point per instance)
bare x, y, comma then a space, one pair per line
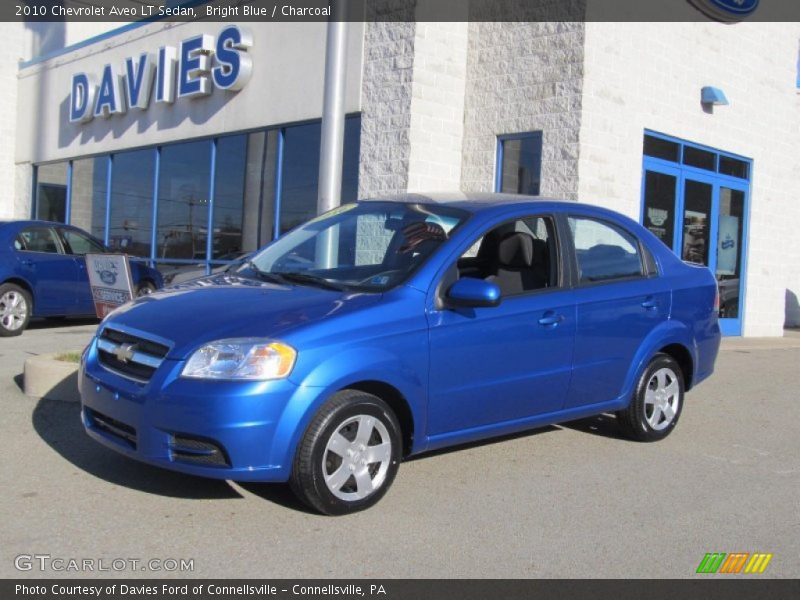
128, 355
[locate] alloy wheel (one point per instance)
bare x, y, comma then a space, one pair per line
13, 310
662, 398
357, 458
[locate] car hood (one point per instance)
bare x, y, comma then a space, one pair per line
228, 306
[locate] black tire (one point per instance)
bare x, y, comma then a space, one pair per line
344, 414
145, 288
16, 307
657, 404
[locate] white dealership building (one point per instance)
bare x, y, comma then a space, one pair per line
192, 142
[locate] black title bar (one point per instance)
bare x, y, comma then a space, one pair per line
400, 10
396, 589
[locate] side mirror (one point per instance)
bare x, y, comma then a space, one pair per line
473, 293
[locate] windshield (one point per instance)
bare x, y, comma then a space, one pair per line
368, 246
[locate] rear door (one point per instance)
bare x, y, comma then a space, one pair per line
619, 300
52, 274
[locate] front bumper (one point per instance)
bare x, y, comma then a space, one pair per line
242, 431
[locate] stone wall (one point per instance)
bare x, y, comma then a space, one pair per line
524, 77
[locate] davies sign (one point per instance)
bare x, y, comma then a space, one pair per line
727, 10
199, 64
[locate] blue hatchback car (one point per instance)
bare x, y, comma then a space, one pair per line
392, 327
43, 273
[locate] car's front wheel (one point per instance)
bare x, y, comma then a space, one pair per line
657, 402
15, 309
349, 454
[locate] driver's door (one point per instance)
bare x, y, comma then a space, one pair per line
492, 366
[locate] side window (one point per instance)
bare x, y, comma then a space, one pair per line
604, 252
39, 239
519, 167
80, 244
520, 256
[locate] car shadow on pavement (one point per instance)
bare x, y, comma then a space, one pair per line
604, 425
486, 442
61, 322
277, 493
59, 425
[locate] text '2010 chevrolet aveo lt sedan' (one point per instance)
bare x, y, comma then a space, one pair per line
387, 328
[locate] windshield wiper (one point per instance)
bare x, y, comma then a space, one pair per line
266, 275
297, 277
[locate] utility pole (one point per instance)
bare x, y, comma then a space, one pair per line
332, 138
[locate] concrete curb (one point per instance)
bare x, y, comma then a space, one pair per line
46, 377
776, 343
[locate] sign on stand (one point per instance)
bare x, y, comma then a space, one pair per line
110, 280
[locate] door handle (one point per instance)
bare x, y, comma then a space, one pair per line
27, 263
650, 303
550, 319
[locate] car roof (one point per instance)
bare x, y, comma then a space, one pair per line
492, 202
33, 222
470, 201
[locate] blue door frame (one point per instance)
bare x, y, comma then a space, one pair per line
717, 181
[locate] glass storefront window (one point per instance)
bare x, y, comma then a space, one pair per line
245, 178
696, 221
89, 185
660, 148
730, 237
659, 205
300, 175
733, 167
702, 159
229, 197
183, 201
259, 198
51, 192
521, 164
300, 181
131, 217
351, 159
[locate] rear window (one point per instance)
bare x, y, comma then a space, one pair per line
604, 252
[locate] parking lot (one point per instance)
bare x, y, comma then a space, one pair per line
567, 501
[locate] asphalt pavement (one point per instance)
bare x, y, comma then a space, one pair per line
568, 501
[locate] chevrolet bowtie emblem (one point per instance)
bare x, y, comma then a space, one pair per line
125, 352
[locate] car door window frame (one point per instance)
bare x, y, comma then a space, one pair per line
449, 275
60, 250
62, 231
647, 261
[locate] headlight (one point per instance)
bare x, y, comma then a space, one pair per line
252, 359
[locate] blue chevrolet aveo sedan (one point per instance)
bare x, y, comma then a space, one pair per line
391, 327
43, 273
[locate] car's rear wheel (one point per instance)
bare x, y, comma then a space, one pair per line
657, 402
349, 454
15, 309
145, 288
